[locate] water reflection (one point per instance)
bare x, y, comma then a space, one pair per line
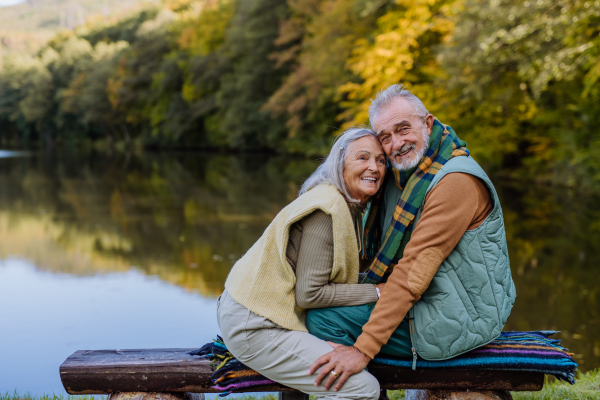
183, 217
47, 316
554, 247
186, 218
13, 153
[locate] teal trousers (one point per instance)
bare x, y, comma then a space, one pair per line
343, 325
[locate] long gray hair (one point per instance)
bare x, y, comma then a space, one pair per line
331, 169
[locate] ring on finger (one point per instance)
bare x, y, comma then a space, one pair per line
335, 374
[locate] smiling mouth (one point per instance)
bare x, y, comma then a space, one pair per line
403, 153
369, 179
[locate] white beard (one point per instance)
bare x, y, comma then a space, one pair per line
410, 163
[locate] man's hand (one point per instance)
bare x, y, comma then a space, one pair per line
344, 361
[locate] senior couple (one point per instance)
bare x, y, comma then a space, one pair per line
428, 232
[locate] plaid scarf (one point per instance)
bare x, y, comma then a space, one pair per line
443, 145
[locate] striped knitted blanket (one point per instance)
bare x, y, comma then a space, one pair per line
531, 351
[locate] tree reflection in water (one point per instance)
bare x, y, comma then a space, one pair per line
187, 217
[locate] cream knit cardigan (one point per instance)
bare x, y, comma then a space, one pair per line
263, 281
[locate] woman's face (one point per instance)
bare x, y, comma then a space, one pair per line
364, 168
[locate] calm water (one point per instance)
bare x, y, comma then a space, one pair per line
131, 251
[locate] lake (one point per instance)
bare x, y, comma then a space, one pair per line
109, 251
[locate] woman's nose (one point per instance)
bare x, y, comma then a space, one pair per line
372, 165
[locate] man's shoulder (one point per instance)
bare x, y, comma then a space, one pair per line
463, 191
457, 184
462, 180
464, 173
462, 164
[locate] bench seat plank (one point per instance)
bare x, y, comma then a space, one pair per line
173, 370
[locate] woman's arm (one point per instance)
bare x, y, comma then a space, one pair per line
313, 269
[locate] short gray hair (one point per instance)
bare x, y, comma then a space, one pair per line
331, 169
386, 96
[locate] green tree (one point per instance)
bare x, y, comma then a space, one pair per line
87, 100
320, 37
522, 77
251, 77
201, 39
26, 86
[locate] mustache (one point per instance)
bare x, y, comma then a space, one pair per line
403, 149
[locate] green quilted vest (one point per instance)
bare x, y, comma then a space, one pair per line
471, 295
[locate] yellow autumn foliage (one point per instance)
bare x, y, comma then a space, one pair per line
400, 52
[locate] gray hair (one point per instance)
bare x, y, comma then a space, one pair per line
331, 169
386, 96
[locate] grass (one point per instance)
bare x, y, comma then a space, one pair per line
587, 387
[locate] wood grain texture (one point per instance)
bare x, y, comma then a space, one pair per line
405, 378
173, 370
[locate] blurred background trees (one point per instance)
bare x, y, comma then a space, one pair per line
517, 79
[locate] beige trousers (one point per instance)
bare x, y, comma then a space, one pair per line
282, 355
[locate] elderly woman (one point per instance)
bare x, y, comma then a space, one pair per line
308, 257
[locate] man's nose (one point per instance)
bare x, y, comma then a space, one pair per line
397, 142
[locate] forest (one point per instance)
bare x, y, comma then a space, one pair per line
518, 80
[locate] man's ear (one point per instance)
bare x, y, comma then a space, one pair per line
429, 123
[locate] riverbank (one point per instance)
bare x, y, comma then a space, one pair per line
586, 388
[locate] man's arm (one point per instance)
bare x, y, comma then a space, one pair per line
457, 203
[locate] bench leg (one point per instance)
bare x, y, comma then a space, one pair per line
295, 395
424, 394
155, 396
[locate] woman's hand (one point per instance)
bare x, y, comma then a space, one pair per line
343, 361
379, 289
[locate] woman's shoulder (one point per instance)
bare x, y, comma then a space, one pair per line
324, 196
324, 191
317, 219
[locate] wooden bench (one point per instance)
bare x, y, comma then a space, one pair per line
172, 374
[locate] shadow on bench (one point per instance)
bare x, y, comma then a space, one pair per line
171, 373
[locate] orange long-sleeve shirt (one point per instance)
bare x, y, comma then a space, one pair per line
459, 202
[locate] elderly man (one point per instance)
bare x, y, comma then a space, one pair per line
436, 236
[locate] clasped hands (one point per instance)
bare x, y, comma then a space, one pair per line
342, 362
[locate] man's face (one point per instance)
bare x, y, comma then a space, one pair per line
403, 135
